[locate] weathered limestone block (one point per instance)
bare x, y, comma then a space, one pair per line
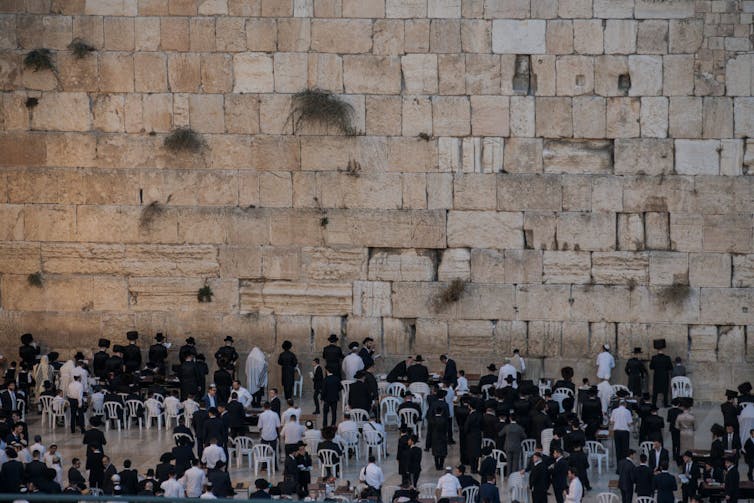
722, 194
588, 36
543, 302
647, 193
620, 268
731, 344
539, 230
383, 115
431, 336
253, 73
12, 222
322, 327
378, 191
522, 115
672, 9
417, 228
518, 37
668, 268
478, 301
703, 343
620, 36
180, 294
559, 36
678, 75
686, 35
326, 72
63, 112
577, 156
405, 265
20, 258
455, 263
65, 293
738, 76
331, 153
240, 262
474, 191
281, 262
296, 329
710, 269
575, 339
586, 231
284, 297
543, 78
476, 35
528, 192
523, 155
601, 333
607, 193
489, 115
674, 304
488, 266
566, 267
656, 231
445, 36
410, 155
485, 229
727, 233
685, 117
607, 71
744, 114
511, 335
654, 117
451, 116
575, 75
630, 231
717, 117
726, 305
371, 298
743, 271
439, 191
291, 72
420, 73
544, 338
646, 75
686, 231
643, 157
50, 223
623, 117
341, 35
334, 264
652, 37
632, 335
589, 117
731, 157
371, 74
554, 117
504, 9
388, 37
600, 303
577, 193
471, 337
396, 335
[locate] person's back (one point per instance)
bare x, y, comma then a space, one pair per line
665, 484
642, 477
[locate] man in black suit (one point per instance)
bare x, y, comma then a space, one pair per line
215, 428
11, 473
732, 443
399, 371
731, 480
675, 433
717, 450
539, 480
691, 472
318, 378
653, 425
35, 470
221, 485
129, 479
625, 477
451, 371
9, 398
330, 395
730, 410
665, 485
236, 416
657, 456
333, 355
108, 470
358, 394
559, 475
662, 366
75, 477
413, 460
748, 449
642, 477
591, 413
417, 372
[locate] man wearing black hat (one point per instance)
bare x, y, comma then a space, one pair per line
132, 352
417, 372
28, 351
187, 349
732, 443
114, 363
450, 373
636, 371
690, 473
288, 362
262, 490
291, 470
399, 371
729, 409
99, 361
717, 451
662, 366
333, 356
591, 413
732, 480
227, 355
359, 396
158, 353
189, 377
490, 377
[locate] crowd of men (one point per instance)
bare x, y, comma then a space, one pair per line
493, 417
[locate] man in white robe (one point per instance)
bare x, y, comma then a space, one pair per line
605, 363
256, 375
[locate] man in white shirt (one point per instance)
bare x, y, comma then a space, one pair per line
80, 371
37, 445
347, 424
605, 363
605, 394
51, 454
172, 488
372, 475
518, 362
243, 394
448, 485
505, 371
621, 421
75, 395
292, 433
212, 454
173, 403
269, 425
353, 362
575, 489
290, 411
193, 480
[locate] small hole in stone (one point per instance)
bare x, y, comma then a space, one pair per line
580, 80
624, 82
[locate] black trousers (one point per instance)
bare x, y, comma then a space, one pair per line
330, 406
439, 462
317, 392
675, 437
77, 414
627, 495
621, 439
558, 495
660, 390
687, 491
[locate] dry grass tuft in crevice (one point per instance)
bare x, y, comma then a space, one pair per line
80, 48
321, 107
184, 140
39, 59
451, 294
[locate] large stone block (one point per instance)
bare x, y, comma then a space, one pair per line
589, 117
743, 271
723, 306
539, 230
451, 116
74, 293
620, 268
543, 302
405, 265
730, 233
341, 35
253, 73
518, 37
668, 268
620, 36
675, 304
20, 258
578, 156
623, 117
487, 266
523, 266
643, 157
477, 302
474, 191
471, 337
485, 229
334, 152
586, 231
412, 229
646, 75
529, 192
455, 263
566, 267
630, 231
489, 115
744, 117
654, 117
372, 74
283, 297
63, 112
686, 35
554, 119
710, 270
523, 155
575, 75
431, 337
371, 298
334, 264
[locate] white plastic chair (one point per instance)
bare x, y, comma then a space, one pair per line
132, 411
298, 384
178, 436
98, 409
527, 449
517, 487
419, 387
346, 384
470, 493
329, 458
153, 410
123, 397
263, 453
58, 409
502, 462
645, 499
486, 391
599, 453
171, 412
621, 387
543, 386
159, 397
46, 402
561, 394
113, 411
359, 416
352, 441
488, 441
389, 411
312, 439
411, 419
608, 498
188, 411
546, 440
396, 389
244, 446
21, 407
681, 387
374, 440
427, 491
646, 448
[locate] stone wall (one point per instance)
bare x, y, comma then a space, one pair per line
584, 164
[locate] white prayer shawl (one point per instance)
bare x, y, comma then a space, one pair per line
256, 370
605, 365
42, 372
65, 374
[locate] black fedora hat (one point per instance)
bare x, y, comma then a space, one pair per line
332, 338
132, 335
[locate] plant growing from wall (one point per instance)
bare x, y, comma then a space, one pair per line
149, 213
35, 279
451, 294
321, 107
205, 294
184, 140
353, 168
675, 294
80, 48
424, 136
39, 59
